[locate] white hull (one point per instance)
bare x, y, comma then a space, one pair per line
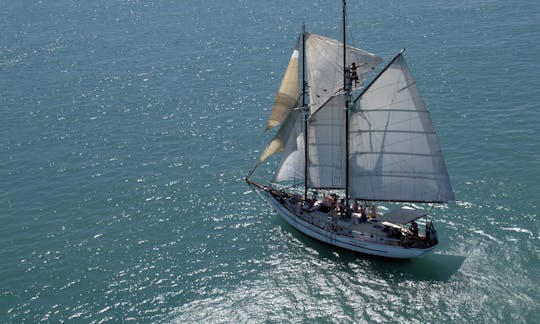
362, 245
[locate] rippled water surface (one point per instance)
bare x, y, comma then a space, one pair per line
127, 127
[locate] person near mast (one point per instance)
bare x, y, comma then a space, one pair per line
354, 75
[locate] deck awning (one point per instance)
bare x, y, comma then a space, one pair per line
403, 215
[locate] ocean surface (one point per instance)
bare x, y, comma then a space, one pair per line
127, 127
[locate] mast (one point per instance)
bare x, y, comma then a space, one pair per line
347, 88
305, 110
344, 42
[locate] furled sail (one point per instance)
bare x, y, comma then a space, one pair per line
287, 95
285, 141
324, 58
394, 150
326, 145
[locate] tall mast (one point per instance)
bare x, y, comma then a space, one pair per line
344, 42
305, 110
347, 88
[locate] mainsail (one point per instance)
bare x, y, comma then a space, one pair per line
394, 150
324, 58
287, 95
326, 145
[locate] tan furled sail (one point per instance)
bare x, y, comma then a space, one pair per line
287, 95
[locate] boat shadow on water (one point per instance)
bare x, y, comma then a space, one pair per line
431, 267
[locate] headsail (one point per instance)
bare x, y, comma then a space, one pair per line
292, 162
287, 95
324, 58
394, 150
289, 140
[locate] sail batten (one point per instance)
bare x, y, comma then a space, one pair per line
373, 131
361, 153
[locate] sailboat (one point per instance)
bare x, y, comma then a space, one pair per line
350, 150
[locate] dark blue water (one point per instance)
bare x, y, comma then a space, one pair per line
127, 127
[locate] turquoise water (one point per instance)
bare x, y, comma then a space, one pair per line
127, 127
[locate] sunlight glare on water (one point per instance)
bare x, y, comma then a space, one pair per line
128, 126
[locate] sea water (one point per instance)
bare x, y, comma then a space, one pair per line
127, 127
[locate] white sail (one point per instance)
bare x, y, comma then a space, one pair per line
287, 95
324, 58
292, 163
326, 145
394, 150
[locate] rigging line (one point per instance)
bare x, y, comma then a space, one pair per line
251, 172
350, 34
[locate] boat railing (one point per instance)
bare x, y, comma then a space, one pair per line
293, 203
290, 189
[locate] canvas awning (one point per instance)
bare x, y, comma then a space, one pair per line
403, 215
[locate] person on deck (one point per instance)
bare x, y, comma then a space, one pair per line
355, 207
329, 201
341, 207
414, 228
373, 211
363, 217
309, 205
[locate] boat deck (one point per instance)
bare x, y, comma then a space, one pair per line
371, 230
